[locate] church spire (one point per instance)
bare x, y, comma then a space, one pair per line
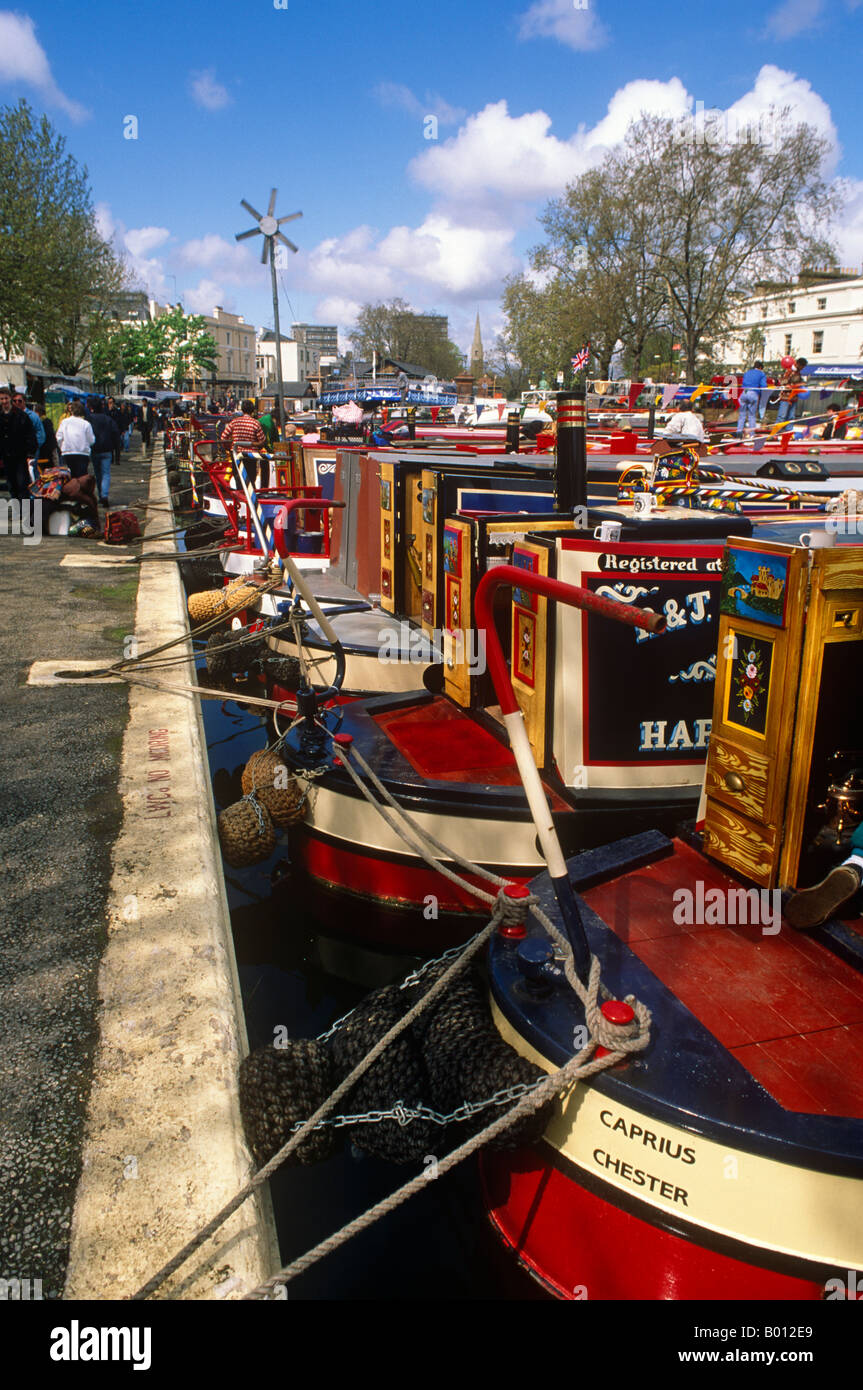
476, 357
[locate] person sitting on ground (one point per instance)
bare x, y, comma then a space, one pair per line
813, 906
76, 438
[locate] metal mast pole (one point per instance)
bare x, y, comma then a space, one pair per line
281, 402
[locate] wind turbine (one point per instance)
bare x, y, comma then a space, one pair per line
268, 227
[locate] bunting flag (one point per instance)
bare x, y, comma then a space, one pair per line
580, 360
635, 391
699, 391
435, 412
501, 407
668, 394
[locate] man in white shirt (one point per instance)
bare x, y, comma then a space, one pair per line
686, 427
76, 438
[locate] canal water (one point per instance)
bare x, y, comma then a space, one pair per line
293, 975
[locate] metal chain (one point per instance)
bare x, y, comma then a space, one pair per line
405, 1114
412, 979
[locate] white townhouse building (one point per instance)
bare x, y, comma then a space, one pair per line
820, 317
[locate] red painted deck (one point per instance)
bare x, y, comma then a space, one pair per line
444, 744
787, 1008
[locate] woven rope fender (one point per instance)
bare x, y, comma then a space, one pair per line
451, 1055
240, 593
246, 833
206, 605
267, 776
285, 671
281, 1085
227, 655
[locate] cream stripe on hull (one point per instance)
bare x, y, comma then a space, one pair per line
763, 1202
499, 844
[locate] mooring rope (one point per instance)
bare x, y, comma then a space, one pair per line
412, 833
618, 1040
504, 906
574, 1070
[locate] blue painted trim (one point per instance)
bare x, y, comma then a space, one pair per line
685, 1077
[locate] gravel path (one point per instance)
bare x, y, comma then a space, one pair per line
58, 820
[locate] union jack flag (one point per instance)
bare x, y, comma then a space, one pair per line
580, 360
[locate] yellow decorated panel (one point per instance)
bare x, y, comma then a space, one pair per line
529, 658
389, 555
457, 618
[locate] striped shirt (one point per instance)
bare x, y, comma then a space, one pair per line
244, 429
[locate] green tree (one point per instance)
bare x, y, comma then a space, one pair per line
190, 348
106, 356
395, 330
57, 274
671, 229
144, 349
597, 249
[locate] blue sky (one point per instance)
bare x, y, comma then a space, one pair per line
331, 104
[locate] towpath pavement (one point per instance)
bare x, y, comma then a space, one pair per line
59, 815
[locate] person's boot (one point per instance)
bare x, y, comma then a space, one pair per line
813, 906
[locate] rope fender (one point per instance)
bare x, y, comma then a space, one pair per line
453, 1055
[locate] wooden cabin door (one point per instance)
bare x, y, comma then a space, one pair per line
762, 616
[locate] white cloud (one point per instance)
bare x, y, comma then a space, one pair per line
495, 153
849, 229
439, 257
23, 59
140, 240
776, 90
207, 92
498, 153
227, 260
104, 221
793, 17
347, 266
203, 297
644, 96
337, 309
578, 27
496, 157
395, 94
447, 257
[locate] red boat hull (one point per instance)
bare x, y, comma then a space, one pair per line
581, 1246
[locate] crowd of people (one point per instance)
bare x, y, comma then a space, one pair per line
71, 462
789, 394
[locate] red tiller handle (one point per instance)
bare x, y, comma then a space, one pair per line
510, 576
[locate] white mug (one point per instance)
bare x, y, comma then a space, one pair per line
643, 502
608, 531
818, 540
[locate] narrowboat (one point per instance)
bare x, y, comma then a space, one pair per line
724, 1160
